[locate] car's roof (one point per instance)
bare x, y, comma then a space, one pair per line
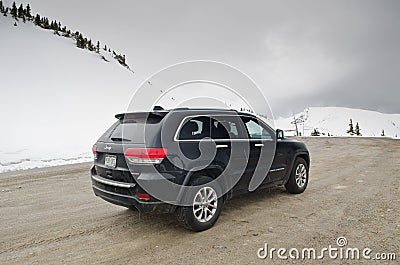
162, 112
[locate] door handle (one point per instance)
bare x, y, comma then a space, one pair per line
259, 145
222, 146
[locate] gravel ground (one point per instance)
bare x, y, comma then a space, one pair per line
51, 215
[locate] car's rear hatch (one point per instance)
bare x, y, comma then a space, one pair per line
133, 130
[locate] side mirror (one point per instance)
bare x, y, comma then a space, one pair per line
279, 134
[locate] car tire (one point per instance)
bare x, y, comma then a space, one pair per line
200, 217
298, 179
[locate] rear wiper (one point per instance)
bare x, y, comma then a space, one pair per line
118, 139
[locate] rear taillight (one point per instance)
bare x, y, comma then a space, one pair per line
145, 155
144, 196
94, 150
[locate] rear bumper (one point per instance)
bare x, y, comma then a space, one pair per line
124, 194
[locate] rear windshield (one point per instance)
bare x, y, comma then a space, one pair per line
132, 127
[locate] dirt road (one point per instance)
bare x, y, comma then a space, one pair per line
51, 215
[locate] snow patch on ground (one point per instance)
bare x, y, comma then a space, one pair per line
25, 160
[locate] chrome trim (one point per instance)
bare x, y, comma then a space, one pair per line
187, 118
222, 146
277, 169
259, 145
226, 140
216, 140
113, 182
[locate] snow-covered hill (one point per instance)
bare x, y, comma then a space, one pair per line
56, 99
335, 121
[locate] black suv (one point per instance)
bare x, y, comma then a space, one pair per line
189, 161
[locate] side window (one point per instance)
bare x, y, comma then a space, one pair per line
224, 127
255, 130
195, 129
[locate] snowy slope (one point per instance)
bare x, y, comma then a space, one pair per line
51, 111
335, 121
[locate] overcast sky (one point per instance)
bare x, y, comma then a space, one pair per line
301, 53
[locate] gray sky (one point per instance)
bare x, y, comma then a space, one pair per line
301, 53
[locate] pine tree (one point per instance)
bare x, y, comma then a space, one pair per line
1, 6
383, 133
21, 11
37, 20
80, 42
105, 47
55, 25
90, 46
6, 11
358, 130
28, 11
45, 23
98, 47
315, 132
351, 129
14, 11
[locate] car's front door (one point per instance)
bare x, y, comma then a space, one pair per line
261, 144
280, 164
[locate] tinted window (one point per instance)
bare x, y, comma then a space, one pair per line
225, 127
195, 129
131, 127
126, 131
255, 130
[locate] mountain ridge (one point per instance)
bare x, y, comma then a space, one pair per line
24, 14
334, 121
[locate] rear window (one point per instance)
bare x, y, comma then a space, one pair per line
225, 127
149, 118
195, 129
131, 128
221, 127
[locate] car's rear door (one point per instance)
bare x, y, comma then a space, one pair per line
226, 132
